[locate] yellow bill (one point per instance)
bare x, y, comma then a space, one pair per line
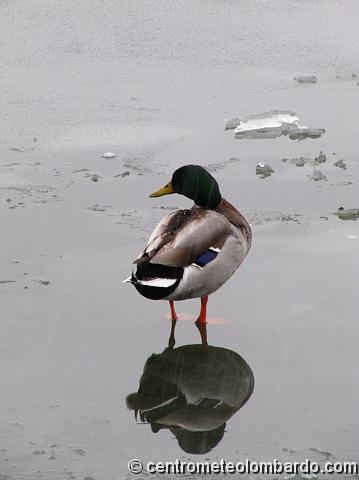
166, 190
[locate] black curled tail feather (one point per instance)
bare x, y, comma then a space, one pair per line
150, 271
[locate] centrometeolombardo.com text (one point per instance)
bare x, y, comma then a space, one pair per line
306, 467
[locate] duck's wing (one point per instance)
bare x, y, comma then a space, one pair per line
182, 236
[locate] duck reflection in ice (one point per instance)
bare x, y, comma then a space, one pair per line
193, 393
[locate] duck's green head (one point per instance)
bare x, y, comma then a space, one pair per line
194, 182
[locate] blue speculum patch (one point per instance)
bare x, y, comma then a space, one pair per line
206, 257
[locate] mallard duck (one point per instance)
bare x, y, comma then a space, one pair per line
192, 252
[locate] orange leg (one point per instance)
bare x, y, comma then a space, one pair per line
171, 340
201, 322
173, 311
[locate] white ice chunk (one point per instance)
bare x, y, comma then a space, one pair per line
109, 155
306, 79
272, 124
264, 170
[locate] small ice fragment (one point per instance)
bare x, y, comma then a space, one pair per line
21, 149
289, 450
341, 164
124, 174
108, 155
79, 170
321, 158
232, 123
79, 451
98, 208
42, 281
350, 214
264, 170
306, 79
301, 133
317, 176
325, 454
287, 218
299, 162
